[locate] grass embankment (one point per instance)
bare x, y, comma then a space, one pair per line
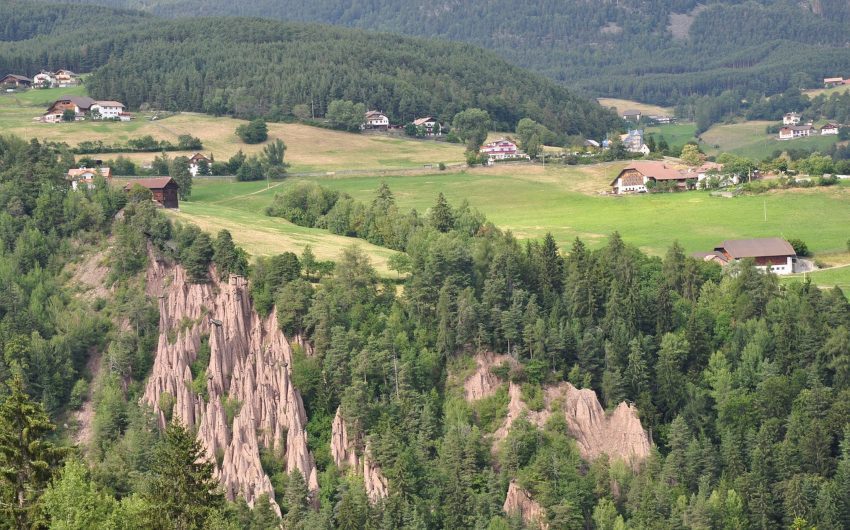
308, 148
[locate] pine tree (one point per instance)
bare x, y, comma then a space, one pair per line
442, 217
296, 500
27, 459
178, 169
182, 490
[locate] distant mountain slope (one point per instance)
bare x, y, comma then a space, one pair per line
678, 47
250, 67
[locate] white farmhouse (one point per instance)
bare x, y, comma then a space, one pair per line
792, 118
376, 120
108, 110
829, 129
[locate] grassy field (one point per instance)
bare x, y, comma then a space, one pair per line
308, 148
531, 201
676, 134
625, 104
239, 208
749, 139
828, 91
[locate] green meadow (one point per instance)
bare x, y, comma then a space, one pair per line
750, 139
531, 201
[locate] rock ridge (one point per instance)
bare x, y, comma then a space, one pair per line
344, 451
248, 378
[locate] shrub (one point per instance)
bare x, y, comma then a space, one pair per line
78, 394
253, 132
799, 246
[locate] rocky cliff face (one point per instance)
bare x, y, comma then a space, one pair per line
345, 452
619, 435
519, 501
249, 369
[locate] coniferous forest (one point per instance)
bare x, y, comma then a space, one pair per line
743, 383
739, 384
253, 67
654, 51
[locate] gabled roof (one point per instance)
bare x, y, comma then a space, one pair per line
756, 248
18, 77
829, 126
423, 121
375, 114
198, 156
153, 183
833, 79
83, 171
655, 169
84, 102
632, 112
110, 104
66, 72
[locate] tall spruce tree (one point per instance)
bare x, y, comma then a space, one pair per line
27, 458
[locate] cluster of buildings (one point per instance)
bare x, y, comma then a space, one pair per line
642, 175
43, 79
636, 115
376, 120
771, 254
85, 107
792, 128
163, 189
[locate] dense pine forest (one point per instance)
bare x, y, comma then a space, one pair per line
252, 67
744, 383
654, 51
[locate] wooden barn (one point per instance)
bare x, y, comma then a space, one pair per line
164, 189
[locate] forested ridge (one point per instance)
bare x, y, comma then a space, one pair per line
625, 49
744, 383
253, 67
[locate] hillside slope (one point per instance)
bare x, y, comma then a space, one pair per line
250, 67
676, 47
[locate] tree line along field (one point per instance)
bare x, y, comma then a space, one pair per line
308, 148
531, 201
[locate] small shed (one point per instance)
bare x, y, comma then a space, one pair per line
164, 189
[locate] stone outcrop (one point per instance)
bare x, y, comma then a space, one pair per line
483, 383
249, 376
519, 501
619, 434
345, 453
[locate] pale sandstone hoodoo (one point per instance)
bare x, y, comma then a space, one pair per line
519, 501
619, 435
482, 383
344, 452
250, 363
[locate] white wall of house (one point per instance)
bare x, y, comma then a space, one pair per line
780, 270
108, 112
